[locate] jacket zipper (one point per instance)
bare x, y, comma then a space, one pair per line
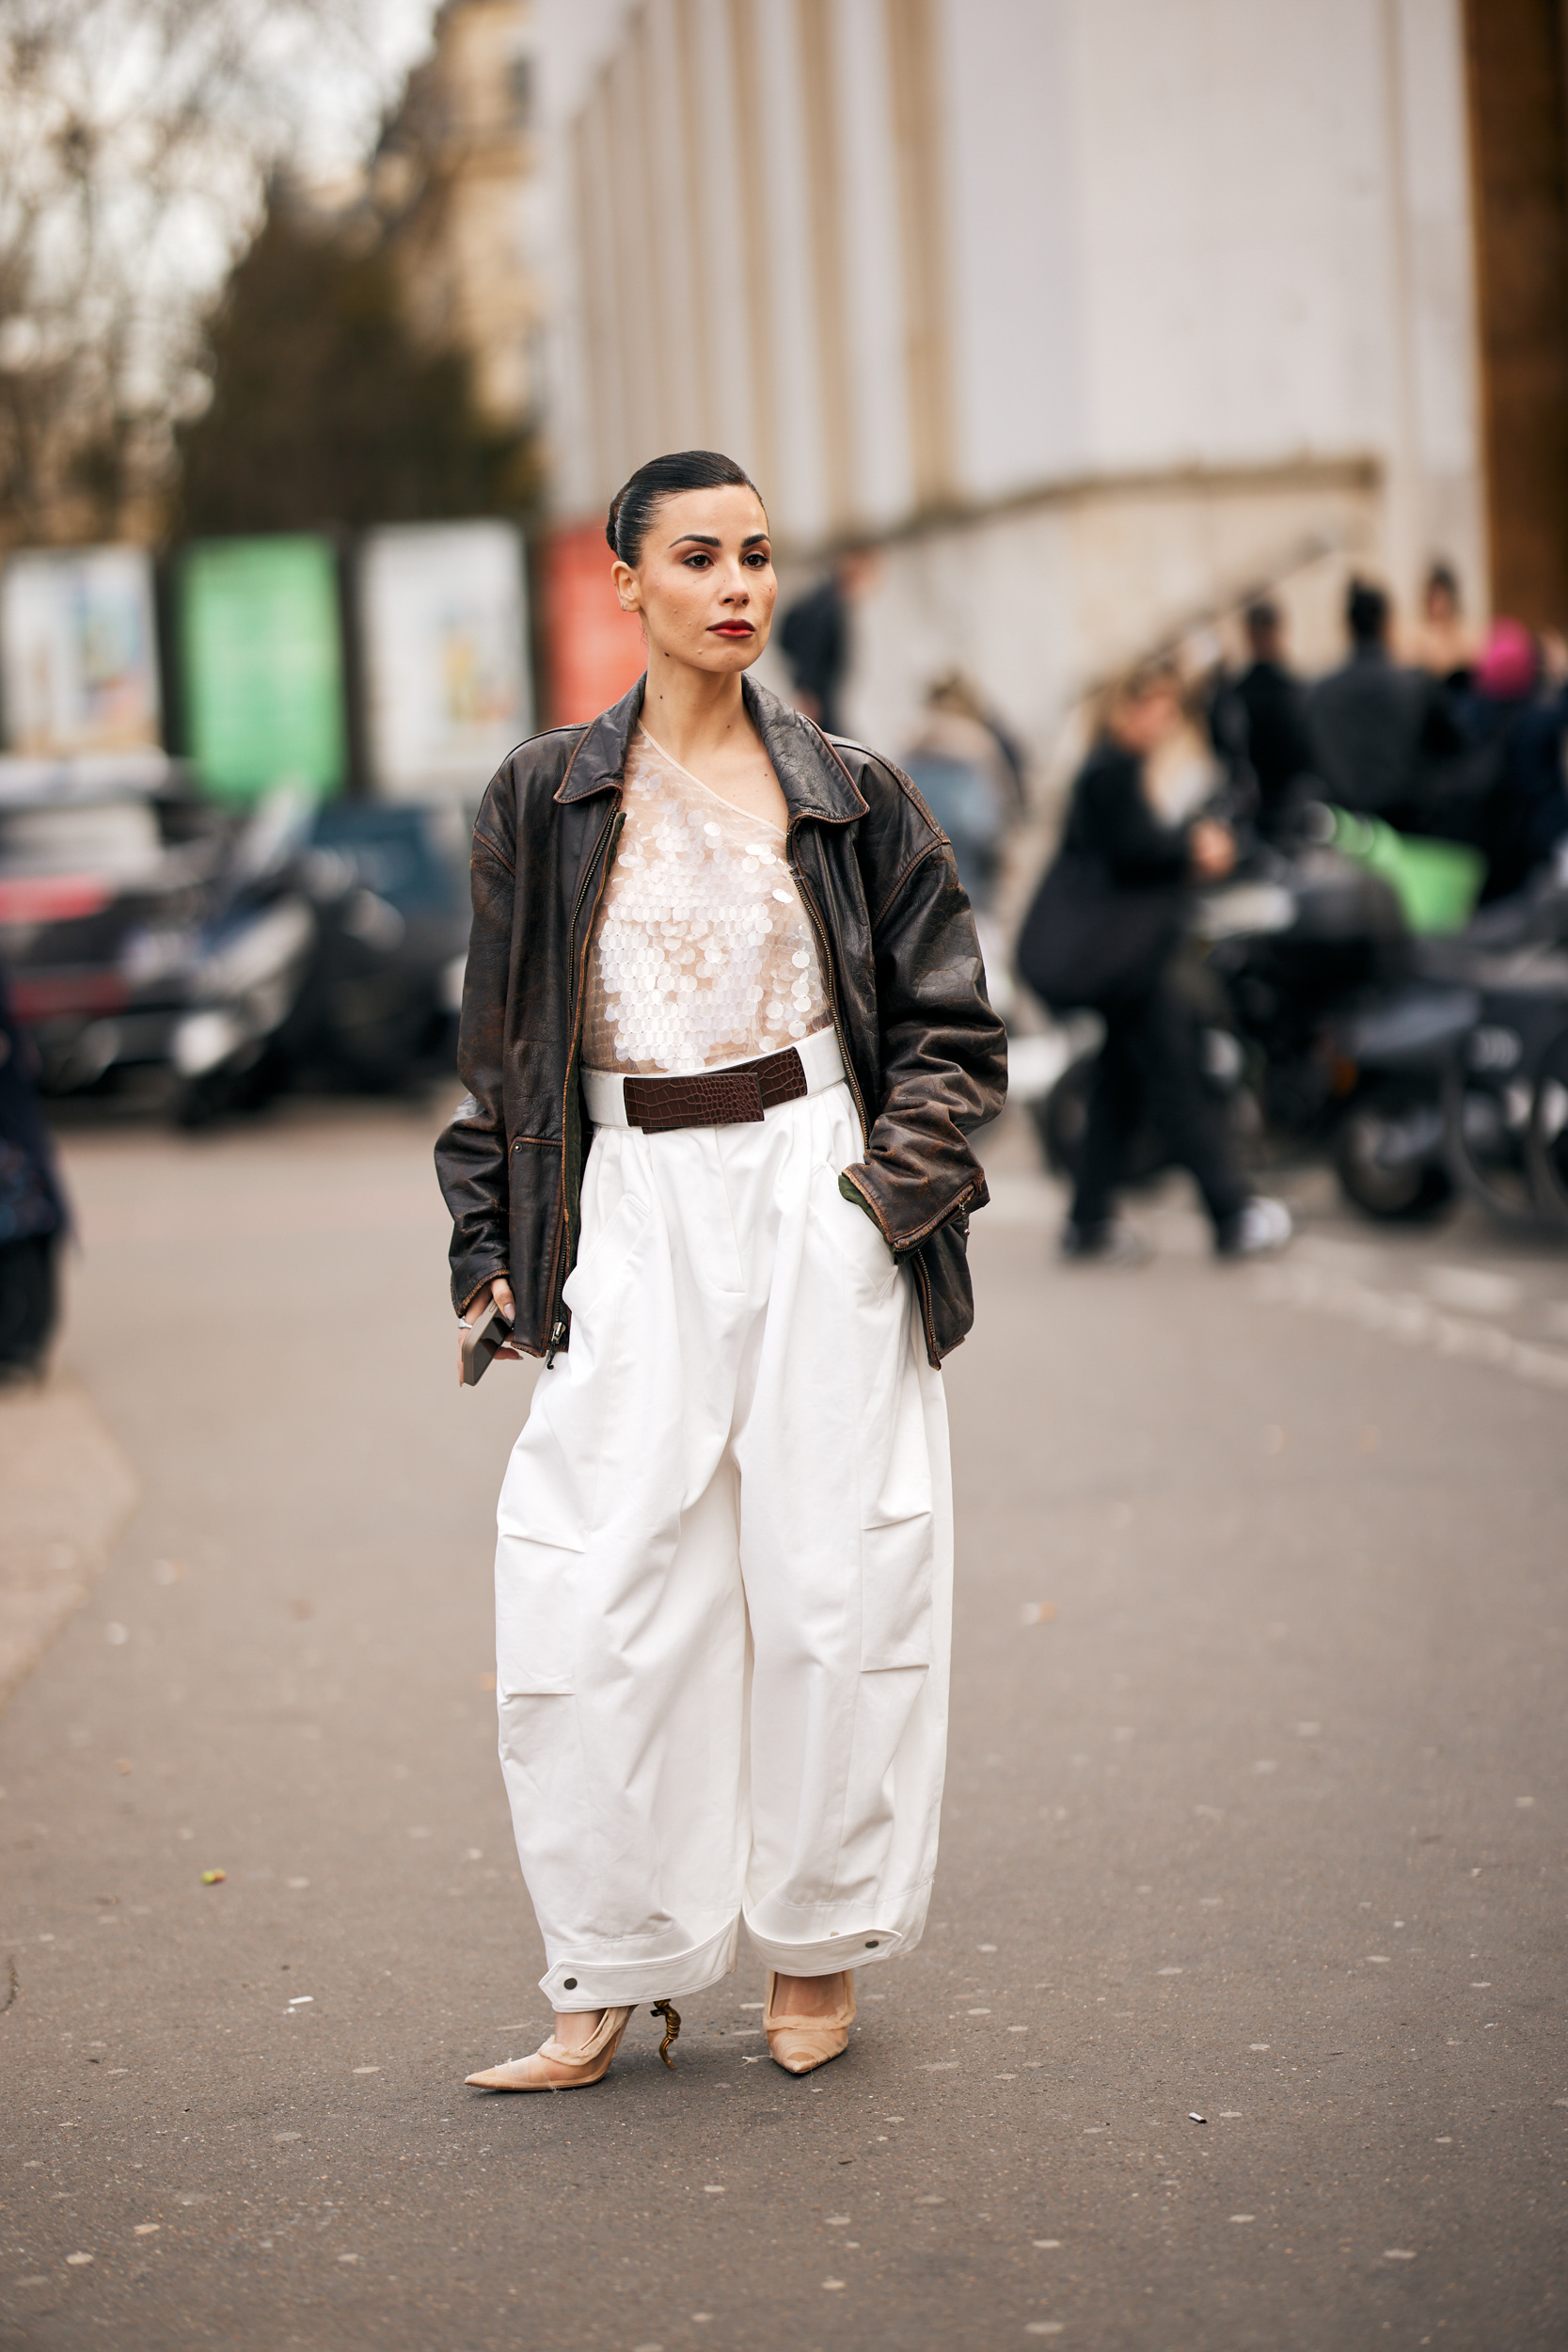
612, 833
820, 934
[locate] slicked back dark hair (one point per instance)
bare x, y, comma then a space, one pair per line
631, 510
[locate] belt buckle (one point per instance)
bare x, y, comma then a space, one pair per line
738, 1097
717, 1097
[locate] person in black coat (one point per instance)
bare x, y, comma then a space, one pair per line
1260, 719
1102, 932
1377, 729
33, 1217
815, 635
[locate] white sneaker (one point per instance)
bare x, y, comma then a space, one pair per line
1263, 1226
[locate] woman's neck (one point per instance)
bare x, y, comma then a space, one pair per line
695, 715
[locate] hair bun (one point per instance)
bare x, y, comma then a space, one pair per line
661, 478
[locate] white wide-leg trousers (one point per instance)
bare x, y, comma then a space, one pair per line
723, 1582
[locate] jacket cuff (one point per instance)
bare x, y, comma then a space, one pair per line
859, 1183
496, 1274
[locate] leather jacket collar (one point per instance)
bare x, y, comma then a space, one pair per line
814, 780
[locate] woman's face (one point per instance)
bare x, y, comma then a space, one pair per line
1141, 723
704, 583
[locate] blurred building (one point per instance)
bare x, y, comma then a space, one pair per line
457, 176
1095, 315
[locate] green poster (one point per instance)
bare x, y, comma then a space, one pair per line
262, 650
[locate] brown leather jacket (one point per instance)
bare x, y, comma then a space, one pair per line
925, 1055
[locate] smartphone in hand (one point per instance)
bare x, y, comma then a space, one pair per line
481, 1342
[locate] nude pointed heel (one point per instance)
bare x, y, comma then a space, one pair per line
800, 2044
553, 2068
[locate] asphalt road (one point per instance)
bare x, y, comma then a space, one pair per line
1239, 2020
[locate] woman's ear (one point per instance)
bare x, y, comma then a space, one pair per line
626, 588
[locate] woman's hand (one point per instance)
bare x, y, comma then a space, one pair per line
1212, 848
500, 1290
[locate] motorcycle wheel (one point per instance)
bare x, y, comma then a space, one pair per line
1486, 1117
1409, 1195
1546, 1144
1062, 1116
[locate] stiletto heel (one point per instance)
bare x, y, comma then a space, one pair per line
672, 2017
800, 2045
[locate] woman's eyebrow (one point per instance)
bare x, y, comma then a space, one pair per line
711, 539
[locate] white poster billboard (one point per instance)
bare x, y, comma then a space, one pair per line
443, 626
78, 651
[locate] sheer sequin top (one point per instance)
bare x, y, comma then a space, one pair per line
702, 953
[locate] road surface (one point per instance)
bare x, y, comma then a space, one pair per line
1240, 2019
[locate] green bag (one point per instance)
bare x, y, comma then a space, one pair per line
1436, 882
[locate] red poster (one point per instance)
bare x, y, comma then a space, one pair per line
594, 650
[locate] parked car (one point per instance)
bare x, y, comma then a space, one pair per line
231, 955
106, 866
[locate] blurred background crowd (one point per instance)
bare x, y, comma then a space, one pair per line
1190, 377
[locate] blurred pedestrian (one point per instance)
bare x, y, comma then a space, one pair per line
1260, 720
33, 1216
1375, 727
1101, 933
814, 636
956, 765
955, 690
752, 980
1516, 719
1444, 644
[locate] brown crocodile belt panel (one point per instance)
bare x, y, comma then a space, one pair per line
714, 1098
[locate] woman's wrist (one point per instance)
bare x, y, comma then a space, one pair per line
482, 1290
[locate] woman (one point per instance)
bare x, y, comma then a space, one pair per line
1102, 933
1444, 644
725, 1031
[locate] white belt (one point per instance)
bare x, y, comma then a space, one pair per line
820, 1061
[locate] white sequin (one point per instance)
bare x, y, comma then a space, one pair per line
690, 965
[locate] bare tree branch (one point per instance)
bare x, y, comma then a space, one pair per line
136, 140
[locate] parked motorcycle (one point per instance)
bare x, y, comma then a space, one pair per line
334, 957
248, 968
1320, 1028
1504, 1116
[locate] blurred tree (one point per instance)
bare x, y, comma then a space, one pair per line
324, 407
134, 137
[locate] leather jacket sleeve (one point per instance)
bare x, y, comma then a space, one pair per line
471, 1153
943, 1054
